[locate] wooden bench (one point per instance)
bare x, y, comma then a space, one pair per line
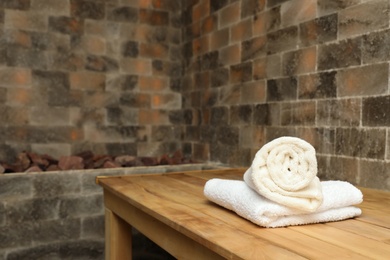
172, 211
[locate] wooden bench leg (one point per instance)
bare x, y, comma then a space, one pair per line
118, 237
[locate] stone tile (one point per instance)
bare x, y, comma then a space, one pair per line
66, 61
332, 6
282, 40
135, 100
241, 72
322, 139
153, 117
130, 49
266, 114
374, 174
271, 3
274, 66
252, 137
93, 227
388, 145
220, 153
219, 77
201, 152
364, 18
101, 63
23, 20
20, 57
87, 9
32, 210
363, 143
241, 31
87, 80
56, 116
229, 15
297, 11
16, 236
49, 231
302, 113
15, 77
73, 207
167, 68
219, 116
274, 132
253, 48
111, 134
282, 89
202, 79
219, 39
56, 7
153, 17
230, 55
66, 25
154, 50
122, 14
117, 149
50, 185
251, 7
54, 149
375, 47
339, 55
228, 135
217, 5
338, 168
15, 4
319, 30
319, 85
300, 61
14, 115
15, 186
363, 81
136, 66
3, 95
192, 133
345, 112
210, 61
266, 21
230, 95
375, 111
17, 38
253, 92
240, 156
241, 114
166, 101
51, 41
209, 24
122, 82
209, 98
84, 249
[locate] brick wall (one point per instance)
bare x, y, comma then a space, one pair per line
89, 75
316, 69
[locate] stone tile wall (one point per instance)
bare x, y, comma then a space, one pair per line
89, 75
215, 78
316, 69
60, 215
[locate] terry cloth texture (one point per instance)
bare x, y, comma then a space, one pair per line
285, 171
338, 200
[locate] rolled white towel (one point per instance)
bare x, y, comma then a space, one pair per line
339, 198
285, 171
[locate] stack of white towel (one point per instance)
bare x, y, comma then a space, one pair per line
281, 188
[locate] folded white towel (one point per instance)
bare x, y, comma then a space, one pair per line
285, 171
235, 195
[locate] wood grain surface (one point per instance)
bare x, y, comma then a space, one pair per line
183, 216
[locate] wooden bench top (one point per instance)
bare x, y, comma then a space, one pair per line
177, 200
